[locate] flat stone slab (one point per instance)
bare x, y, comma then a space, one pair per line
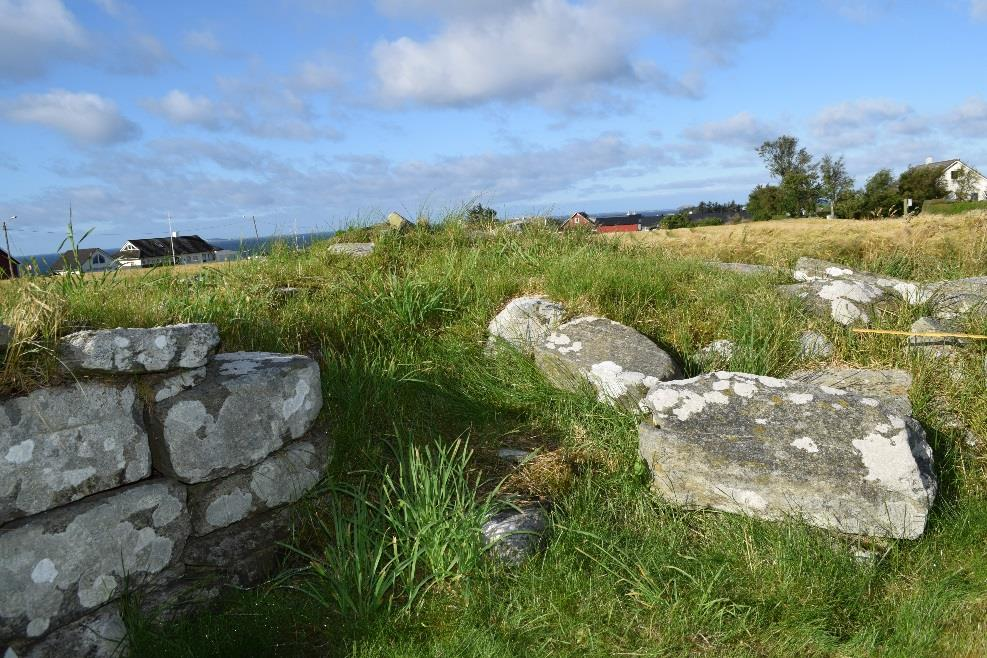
526, 321
157, 349
889, 386
813, 269
620, 362
62, 564
514, 535
773, 448
847, 302
352, 248
58, 445
245, 406
282, 478
242, 554
6, 335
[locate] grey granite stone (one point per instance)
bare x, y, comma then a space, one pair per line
139, 350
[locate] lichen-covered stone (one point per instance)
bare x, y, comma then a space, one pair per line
526, 321
248, 405
935, 346
398, 222
848, 302
61, 444
889, 386
62, 564
773, 448
618, 361
813, 345
100, 634
282, 478
812, 269
950, 299
352, 248
139, 350
514, 535
242, 554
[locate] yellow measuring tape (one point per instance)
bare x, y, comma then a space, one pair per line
928, 334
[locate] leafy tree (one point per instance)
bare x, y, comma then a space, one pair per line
836, 182
966, 184
881, 194
922, 183
800, 192
765, 202
783, 156
481, 217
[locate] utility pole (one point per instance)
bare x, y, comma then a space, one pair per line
171, 236
6, 238
256, 234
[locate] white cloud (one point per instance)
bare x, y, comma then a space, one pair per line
34, 33
86, 118
969, 119
178, 106
203, 40
858, 123
978, 9
741, 129
316, 76
544, 49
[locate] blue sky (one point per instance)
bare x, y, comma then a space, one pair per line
319, 113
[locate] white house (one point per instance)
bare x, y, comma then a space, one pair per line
84, 260
179, 250
953, 171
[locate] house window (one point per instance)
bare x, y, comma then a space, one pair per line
955, 174
98, 259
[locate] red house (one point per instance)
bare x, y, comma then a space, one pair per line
8, 266
628, 223
578, 220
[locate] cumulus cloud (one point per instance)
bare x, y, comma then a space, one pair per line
531, 49
34, 33
856, 123
316, 76
85, 118
978, 9
743, 130
203, 40
178, 106
969, 119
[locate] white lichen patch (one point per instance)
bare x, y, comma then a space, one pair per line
888, 459
721, 385
761, 421
837, 272
800, 398
20, 453
744, 389
44, 571
869, 402
831, 390
229, 508
575, 347
805, 443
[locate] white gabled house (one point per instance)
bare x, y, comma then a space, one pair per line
953, 171
84, 260
179, 250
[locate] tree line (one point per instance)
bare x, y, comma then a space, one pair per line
803, 181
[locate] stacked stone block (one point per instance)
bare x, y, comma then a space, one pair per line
165, 468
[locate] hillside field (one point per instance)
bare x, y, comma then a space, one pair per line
399, 336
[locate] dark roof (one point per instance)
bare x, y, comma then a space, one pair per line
941, 164
69, 257
618, 220
186, 244
10, 258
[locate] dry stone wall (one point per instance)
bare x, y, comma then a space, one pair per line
163, 466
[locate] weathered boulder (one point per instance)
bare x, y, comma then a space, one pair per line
526, 321
100, 634
282, 478
618, 361
949, 299
352, 248
61, 444
242, 554
934, 346
514, 535
742, 268
773, 448
398, 222
139, 350
845, 301
719, 350
889, 386
62, 564
814, 345
248, 405
812, 269
6, 335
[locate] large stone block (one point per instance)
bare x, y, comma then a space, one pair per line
100, 634
282, 478
242, 554
618, 361
526, 321
61, 444
246, 406
812, 269
889, 386
157, 349
773, 448
950, 299
848, 302
62, 564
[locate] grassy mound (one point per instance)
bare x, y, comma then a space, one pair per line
391, 564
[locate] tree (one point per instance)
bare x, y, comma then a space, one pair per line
881, 194
765, 202
922, 183
966, 184
480, 216
783, 156
836, 182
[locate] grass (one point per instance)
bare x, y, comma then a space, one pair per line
952, 207
390, 559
